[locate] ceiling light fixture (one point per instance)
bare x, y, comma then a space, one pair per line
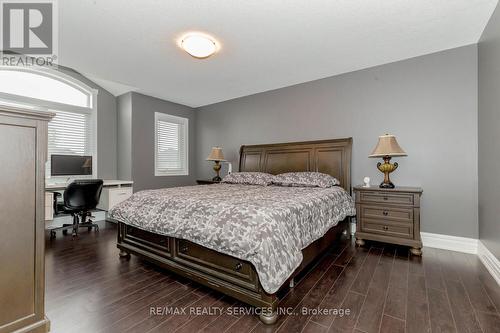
198, 45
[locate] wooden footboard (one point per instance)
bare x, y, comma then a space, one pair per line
229, 275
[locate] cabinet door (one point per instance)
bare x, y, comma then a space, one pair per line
18, 175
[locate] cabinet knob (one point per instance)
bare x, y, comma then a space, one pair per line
238, 267
183, 249
386, 228
385, 213
386, 198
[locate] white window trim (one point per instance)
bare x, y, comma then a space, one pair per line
44, 105
178, 120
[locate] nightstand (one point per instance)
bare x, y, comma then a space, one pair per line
389, 215
206, 182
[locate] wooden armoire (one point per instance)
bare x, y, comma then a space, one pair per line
23, 152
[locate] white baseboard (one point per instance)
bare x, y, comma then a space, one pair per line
491, 263
452, 243
466, 245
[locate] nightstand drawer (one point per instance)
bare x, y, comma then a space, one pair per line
386, 213
388, 229
389, 198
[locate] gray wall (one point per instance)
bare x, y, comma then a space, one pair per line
124, 136
106, 135
489, 135
106, 127
141, 150
429, 103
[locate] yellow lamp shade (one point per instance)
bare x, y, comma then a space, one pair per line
387, 146
216, 154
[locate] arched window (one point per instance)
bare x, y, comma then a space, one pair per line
43, 88
73, 130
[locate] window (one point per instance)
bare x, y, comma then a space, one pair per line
73, 130
171, 145
42, 87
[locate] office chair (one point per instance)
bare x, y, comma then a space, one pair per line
80, 197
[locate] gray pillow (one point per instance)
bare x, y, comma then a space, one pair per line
306, 179
249, 178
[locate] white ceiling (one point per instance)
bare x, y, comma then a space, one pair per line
266, 44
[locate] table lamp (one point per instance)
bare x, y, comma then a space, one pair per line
217, 156
387, 147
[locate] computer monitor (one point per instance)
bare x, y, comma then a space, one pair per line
70, 165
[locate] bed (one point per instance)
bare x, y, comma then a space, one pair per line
246, 241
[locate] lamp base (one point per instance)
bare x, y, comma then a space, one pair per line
387, 167
217, 168
387, 185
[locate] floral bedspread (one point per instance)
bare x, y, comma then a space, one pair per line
265, 225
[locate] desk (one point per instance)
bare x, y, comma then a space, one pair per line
106, 183
113, 192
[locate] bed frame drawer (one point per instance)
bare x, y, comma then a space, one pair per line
210, 261
158, 244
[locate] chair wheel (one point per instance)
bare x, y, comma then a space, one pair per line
97, 228
89, 229
52, 234
65, 232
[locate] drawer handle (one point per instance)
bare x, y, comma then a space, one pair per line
386, 198
385, 213
238, 267
183, 249
386, 228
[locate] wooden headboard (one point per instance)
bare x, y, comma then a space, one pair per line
332, 157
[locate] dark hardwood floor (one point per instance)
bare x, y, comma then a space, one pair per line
90, 289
